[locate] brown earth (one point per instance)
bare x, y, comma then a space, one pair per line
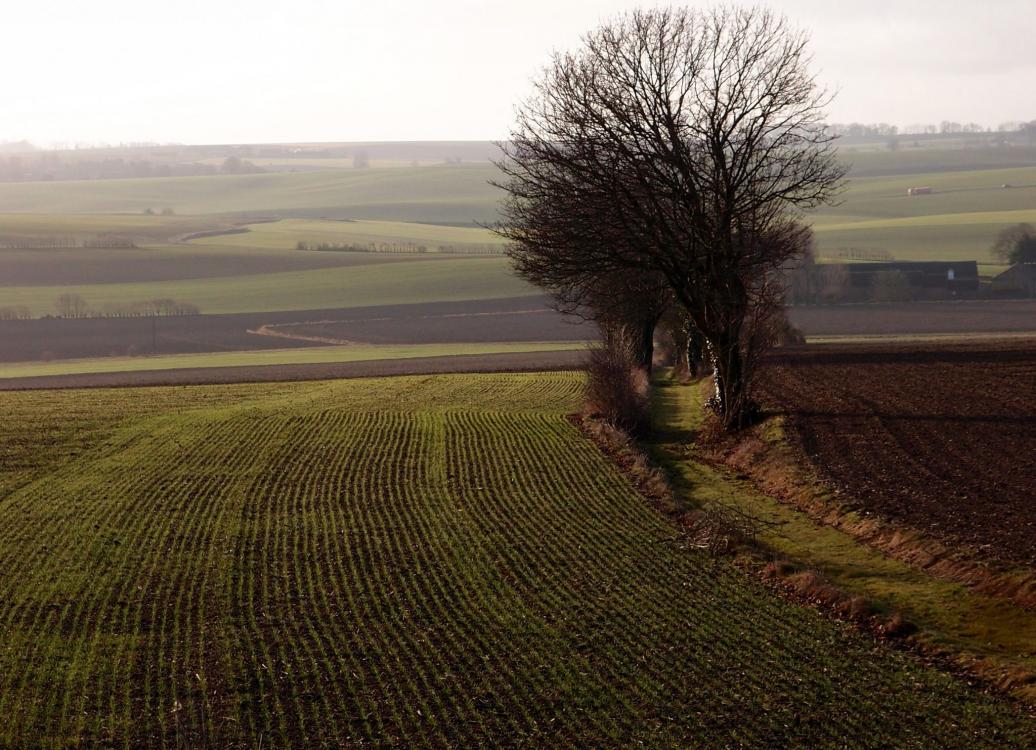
516, 320
918, 318
437, 322
505, 362
939, 437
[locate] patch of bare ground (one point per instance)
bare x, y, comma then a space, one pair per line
488, 320
783, 472
938, 439
916, 318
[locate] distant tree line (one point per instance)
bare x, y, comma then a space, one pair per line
402, 248
71, 305
865, 253
15, 312
59, 243
945, 127
50, 166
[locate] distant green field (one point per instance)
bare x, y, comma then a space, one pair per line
943, 155
958, 221
436, 205
423, 562
443, 194
57, 224
314, 355
955, 236
417, 281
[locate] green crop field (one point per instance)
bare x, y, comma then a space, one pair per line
439, 194
411, 562
301, 356
959, 221
260, 269
427, 280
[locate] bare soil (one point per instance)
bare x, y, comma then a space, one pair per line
918, 318
941, 437
521, 319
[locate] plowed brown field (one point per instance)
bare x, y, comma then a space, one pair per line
941, 437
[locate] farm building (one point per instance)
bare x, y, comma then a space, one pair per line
1017, 281
911, 280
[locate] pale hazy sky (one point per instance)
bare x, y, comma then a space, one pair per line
221, 71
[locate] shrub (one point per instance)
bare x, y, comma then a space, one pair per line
616, 389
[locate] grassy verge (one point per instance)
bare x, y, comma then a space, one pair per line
986, 633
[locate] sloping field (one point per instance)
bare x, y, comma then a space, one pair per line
938, 436
441, 194
934, 156
414, 562
516, 319
274, 357
462, 195
956, 236
49, 268
960, 220
285, 234
433, 279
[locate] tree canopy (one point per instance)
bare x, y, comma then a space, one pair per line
1016, 244
681, 145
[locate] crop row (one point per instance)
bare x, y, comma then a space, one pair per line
415, 562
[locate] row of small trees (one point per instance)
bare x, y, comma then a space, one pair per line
399, 247
71, 305
60, 243
15, 312
662, 170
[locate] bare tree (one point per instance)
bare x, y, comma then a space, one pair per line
71, 306
695, 136
549, 248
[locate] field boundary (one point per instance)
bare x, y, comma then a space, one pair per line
531, 361
651, 468
776, 466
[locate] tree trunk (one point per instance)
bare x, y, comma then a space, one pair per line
730, 401
682, 365
645, 351
696, 346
